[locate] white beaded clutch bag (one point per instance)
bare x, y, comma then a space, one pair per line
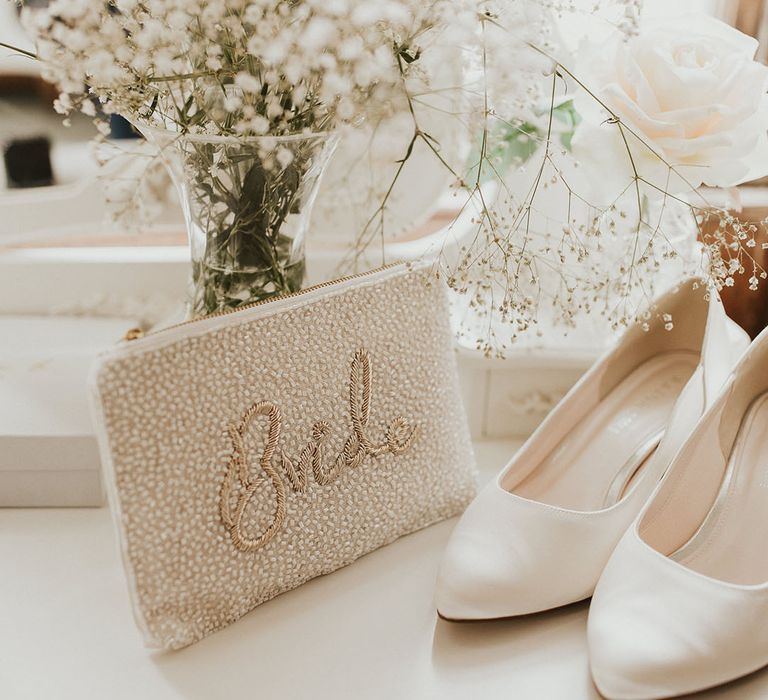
248, 452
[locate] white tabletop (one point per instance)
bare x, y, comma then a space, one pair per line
366, 632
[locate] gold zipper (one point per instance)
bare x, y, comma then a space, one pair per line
137, 333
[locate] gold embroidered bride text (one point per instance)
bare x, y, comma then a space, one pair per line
239, 486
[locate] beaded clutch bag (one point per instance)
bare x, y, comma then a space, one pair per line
248, 452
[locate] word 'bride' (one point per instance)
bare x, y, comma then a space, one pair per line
238, 487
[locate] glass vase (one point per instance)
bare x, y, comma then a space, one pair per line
247, 205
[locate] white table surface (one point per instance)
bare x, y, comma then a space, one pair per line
368, 631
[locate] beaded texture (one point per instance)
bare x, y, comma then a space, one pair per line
186, 428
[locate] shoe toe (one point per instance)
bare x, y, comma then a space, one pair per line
657, 631
474, 582
508, 556
632, 658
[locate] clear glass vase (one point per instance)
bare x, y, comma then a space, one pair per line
247, 205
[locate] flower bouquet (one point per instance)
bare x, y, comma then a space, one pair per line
602, 204
585, 166
243, 101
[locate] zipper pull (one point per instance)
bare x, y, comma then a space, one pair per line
133, 334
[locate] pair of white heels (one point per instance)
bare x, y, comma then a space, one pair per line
647, 489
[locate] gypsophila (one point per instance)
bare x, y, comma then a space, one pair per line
227, 66
537, 239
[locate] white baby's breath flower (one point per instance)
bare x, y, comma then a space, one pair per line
319, 34
214, 63
298, 64
366, 13
88, 108
273, 53
259, 125
284, 157
247, 82
62, 104
232, 103
351, 48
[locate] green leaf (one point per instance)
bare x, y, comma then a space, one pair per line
566, 113
508, 145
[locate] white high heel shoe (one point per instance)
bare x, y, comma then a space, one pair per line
683, 602
538, 536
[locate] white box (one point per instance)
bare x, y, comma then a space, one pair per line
48, 452
508, 398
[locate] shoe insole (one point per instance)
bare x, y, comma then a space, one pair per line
593, 466
730, 543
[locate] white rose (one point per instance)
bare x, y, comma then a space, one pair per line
695, 99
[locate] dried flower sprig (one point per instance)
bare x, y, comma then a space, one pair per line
254, 68
231, 67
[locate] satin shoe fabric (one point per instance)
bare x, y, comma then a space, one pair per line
683, 601
527, 543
